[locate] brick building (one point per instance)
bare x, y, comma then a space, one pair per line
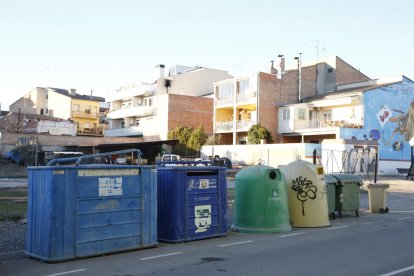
245, 101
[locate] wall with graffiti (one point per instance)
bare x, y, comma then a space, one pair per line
388, 119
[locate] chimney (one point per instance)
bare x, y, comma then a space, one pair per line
282, 64
159, 71
273, 71
72, 91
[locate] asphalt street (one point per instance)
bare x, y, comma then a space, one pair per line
371, 244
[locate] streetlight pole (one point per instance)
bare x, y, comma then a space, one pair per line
299, 60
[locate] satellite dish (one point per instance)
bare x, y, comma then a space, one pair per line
411, 142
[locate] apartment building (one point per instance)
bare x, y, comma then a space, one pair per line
242, 102
313, 79
380, 110
83, 110
183, 96
245, 101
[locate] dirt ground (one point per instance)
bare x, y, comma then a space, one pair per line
10, 169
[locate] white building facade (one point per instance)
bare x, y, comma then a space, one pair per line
144, 109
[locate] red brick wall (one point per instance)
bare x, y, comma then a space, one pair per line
308, 81
345, 73
289, 87
190, 112
269, 97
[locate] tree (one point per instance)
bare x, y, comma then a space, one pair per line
258, 132
214, 139
190, 140
197, 139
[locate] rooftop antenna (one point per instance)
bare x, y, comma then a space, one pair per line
316, 65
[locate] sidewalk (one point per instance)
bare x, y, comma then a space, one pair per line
13, 182
400, 194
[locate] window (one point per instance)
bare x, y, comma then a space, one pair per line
310, 115
226, 90
86, 125
87, 109
47, 96
150, 102
41, 111
145, 102
286, 114
302, 114
75, 107
327, 117
243, 86
330, 70
47, 111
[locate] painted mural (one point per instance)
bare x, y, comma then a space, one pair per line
388, 119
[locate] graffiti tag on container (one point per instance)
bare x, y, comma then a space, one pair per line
304, 190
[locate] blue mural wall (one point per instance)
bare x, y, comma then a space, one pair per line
388, 119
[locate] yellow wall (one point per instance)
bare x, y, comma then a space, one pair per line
84, 117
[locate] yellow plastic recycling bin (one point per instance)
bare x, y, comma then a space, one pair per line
308, 202
377, 197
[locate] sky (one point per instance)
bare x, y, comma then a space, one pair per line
99, 45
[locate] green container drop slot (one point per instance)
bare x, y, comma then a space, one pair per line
261, 201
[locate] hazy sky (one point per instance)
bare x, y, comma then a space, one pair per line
100, 44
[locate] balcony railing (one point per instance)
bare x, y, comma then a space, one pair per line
224, 101
246, 97
224, 126
128, 131
138, 111
330, 123
83, 114
241, 125
244, 125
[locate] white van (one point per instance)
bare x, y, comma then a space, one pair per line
170, 157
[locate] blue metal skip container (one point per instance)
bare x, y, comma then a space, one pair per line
192, 202
86, 210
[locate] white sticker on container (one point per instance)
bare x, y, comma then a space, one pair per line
204, 184
59, 172
108, 172
110, 186
202, 218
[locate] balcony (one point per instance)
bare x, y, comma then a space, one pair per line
121, 132
137, 111
84, 114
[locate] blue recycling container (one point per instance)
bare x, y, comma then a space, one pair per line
86, 210
192, 201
